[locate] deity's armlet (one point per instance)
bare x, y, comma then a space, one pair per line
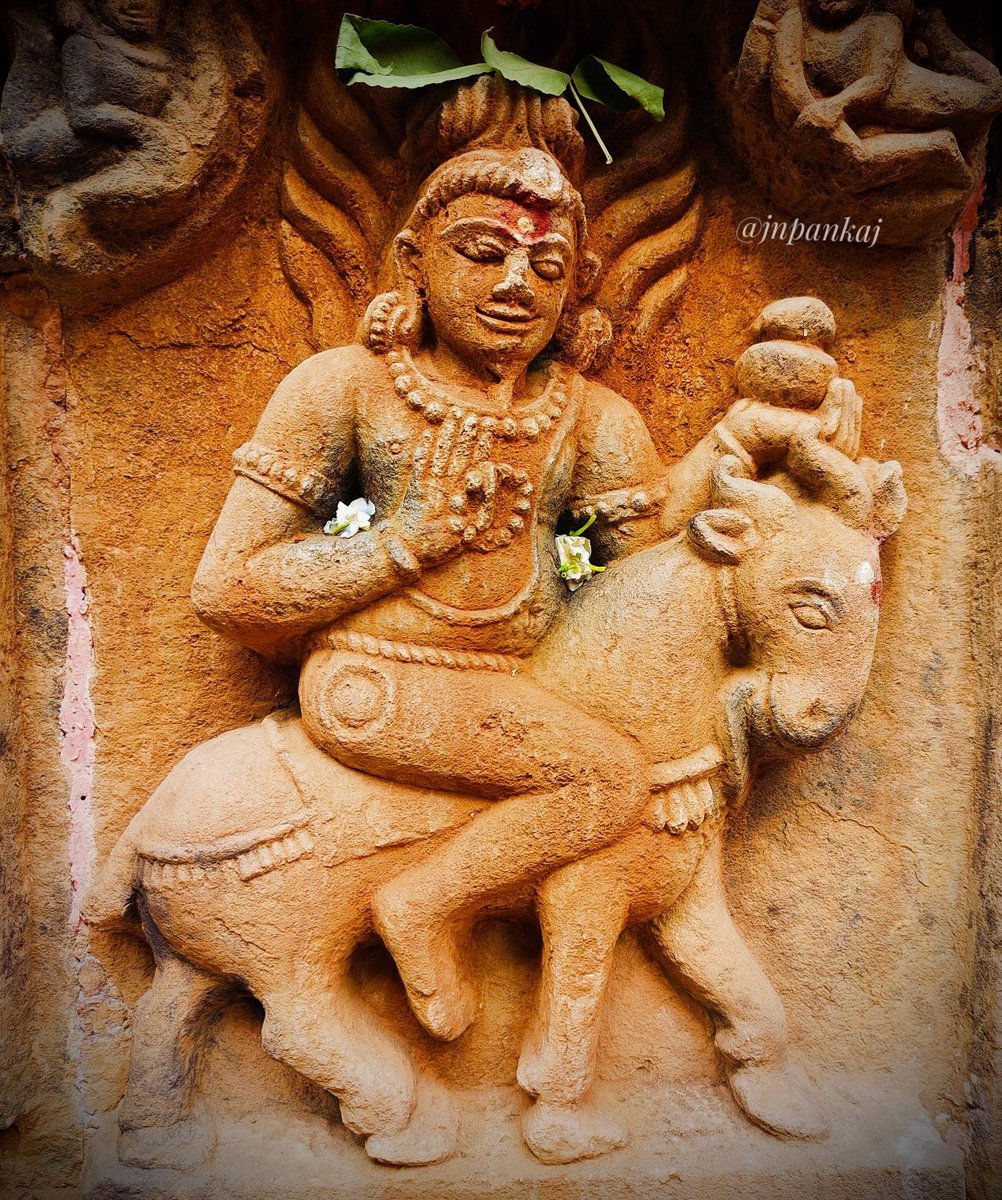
295, 481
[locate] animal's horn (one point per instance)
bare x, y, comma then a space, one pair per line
889, 499
763, 502
828, 475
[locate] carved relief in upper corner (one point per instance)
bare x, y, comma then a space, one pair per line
870, 109
127, 126
354, 164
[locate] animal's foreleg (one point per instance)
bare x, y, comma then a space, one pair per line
581, 914
706, 953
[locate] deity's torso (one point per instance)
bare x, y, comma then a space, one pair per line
501, 594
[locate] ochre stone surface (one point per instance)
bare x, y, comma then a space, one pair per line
865, 878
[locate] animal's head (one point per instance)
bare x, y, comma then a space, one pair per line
800, 585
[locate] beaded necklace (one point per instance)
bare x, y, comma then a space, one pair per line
434, 404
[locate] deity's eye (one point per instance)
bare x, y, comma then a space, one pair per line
549, 268
813, 613
481, 249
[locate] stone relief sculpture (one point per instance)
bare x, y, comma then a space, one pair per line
881, 112
127, 126
473, 737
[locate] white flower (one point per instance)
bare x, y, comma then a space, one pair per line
575, 564
351, 518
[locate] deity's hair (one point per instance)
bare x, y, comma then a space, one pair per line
528, 176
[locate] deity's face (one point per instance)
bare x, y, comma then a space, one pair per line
496, 274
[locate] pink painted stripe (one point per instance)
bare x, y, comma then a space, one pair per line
77, 729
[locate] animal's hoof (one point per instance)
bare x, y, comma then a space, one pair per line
176, 1147
564, 1133
781, 1099
440, 994
428, 1137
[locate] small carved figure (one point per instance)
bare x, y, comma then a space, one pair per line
881, 97
114, 115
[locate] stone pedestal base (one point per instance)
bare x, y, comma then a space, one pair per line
691, 1144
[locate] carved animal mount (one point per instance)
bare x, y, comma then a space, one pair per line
258, 857
867, 110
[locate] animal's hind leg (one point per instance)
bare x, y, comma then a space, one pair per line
327, 1034
170, 1023
706, 953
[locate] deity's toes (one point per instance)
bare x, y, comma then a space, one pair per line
176, 1147
781, 1099
565, 1133
428, 1137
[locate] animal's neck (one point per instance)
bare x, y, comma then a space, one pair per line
644, 649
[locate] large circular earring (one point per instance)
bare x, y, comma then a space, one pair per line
393, 319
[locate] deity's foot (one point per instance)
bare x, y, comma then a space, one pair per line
178, 1147
439, 991
428, 1137
780, 1098
565, 1133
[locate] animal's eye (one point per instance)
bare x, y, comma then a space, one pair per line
812, 614
548, 268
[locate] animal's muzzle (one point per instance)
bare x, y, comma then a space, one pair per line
800, 716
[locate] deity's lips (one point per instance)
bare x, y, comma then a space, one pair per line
506, 318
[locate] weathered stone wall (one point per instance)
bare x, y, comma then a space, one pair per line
866, 878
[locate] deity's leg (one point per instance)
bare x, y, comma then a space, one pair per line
706, 953
569, 783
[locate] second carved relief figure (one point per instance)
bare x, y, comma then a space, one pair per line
473, 737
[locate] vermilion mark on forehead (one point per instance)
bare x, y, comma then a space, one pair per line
525, 221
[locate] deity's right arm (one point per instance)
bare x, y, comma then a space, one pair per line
269, 574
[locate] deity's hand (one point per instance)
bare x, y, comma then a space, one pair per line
764, 432
449, 501
821, 115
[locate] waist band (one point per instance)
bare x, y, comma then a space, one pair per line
431, 656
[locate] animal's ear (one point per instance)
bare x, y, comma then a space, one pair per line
724, 534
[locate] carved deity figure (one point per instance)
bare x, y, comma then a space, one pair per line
882, 93
463, 417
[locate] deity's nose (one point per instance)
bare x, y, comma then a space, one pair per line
515, 288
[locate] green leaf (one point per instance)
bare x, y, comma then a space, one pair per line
382, 54
519, 70
620, 89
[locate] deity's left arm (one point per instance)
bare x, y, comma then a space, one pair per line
617, 477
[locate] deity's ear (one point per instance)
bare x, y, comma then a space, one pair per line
407, 257
589, 269
723, 534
